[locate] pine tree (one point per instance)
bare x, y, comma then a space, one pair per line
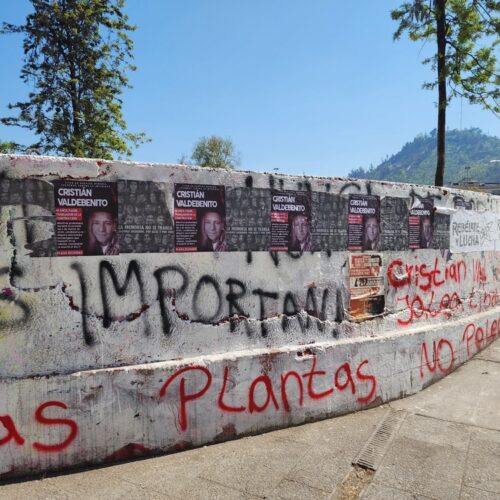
76, 57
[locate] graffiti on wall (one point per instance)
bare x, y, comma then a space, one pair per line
12, 434
239, 316
442, 288
209, 300
220, 389
474, 231
439, 357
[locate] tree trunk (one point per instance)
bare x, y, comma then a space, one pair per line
440, 7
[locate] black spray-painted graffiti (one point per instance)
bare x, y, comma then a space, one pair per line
173, 282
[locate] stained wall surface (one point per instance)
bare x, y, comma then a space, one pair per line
165, 345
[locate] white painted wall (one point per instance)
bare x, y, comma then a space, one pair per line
106, 383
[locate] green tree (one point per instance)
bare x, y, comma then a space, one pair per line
9, 147
76, 57
215, 152
466, 34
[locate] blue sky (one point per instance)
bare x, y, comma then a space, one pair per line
300, 86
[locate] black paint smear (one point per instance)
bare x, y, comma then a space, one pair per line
264, 295
88, 336
232, 297
290, 309
172, 293
106, 267
345, 187
206, 280
339, 310
275, 256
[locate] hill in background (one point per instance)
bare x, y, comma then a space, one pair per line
416, 162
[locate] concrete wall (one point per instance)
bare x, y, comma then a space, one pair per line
106, 357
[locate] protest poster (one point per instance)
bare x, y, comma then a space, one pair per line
329, 226
146, 225
200, 218
394, 223
363, 222
421, 225
248, 227
291, 221
86, 218
366, 285
472, 231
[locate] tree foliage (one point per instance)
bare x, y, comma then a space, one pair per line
466, 34
9, 147
215, 152
76, 57
471, 36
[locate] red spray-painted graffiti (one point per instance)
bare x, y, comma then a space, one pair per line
12, 434
42, 419
424, 277
183, 396
420, 287
422, 284
193, 382
261, 393
417, 308
442, 353
480, 336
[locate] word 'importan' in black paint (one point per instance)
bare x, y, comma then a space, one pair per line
172, 282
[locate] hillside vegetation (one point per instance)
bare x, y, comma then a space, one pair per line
416, 162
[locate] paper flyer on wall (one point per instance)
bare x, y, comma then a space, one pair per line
146, 225
363, 222
329, 229
291, 221
248, 227
86, 217
421, 225
200, 218
472, 231
366, 285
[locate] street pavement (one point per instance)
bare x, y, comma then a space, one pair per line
443, 443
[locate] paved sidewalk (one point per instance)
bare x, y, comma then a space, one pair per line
447, 446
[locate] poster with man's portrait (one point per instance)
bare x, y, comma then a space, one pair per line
86, 218
291, 221
363, 222
200, 218
421, 225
